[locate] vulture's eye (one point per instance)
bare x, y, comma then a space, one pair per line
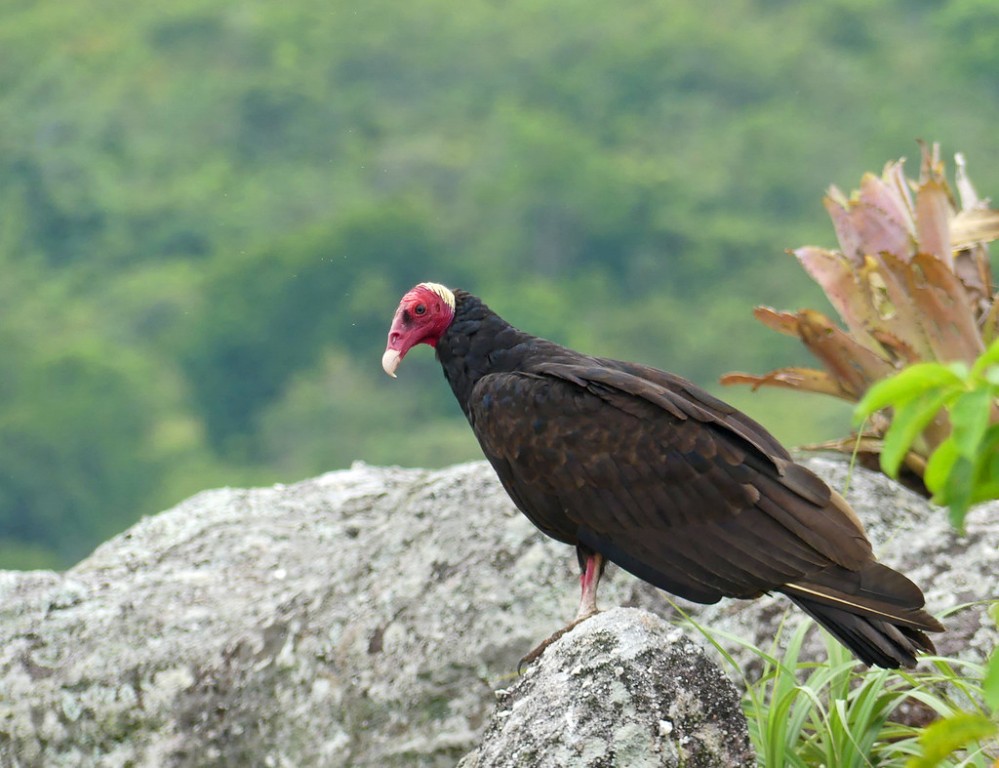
421, 309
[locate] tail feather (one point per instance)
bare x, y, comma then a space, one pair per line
875, 642
876, 612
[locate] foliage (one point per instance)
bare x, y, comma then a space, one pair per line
209, 211
963, 468
943, 738
82, 449
835, 712
912, 282
959, 731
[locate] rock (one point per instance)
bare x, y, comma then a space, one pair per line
361, 618
623, 688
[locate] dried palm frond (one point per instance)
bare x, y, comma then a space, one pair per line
911, 282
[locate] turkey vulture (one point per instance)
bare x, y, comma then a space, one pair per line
642, 468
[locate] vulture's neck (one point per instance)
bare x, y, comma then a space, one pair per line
479, 342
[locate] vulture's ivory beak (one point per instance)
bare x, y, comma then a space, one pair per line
390, 361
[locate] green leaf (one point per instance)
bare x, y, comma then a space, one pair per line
938, 469
989, 357
986, 482
905, 386
910, 419
969, 418
950, 477
990, 453
958, 490
959, 369
990, 685
944, 737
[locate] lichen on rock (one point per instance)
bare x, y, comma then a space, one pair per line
623, 688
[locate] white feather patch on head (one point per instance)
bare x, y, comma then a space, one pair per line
443, 291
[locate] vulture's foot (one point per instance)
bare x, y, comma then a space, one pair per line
537, 652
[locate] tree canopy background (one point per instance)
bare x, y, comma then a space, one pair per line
208, 212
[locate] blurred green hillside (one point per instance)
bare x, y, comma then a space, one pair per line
208, 212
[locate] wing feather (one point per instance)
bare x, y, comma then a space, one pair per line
670, 483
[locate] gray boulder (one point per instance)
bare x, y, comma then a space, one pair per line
622, 688
361, 618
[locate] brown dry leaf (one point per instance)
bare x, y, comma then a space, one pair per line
801, 379
838, 208
888, 275
782, 322
971, 265
931, 166
970, 230
975, 225
867, 450
933, 214
839, 279
862, 444
881, 218
946, 315
853, 365
899, 352
990, 323
894, 176
966, 190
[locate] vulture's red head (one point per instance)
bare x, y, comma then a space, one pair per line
422, 317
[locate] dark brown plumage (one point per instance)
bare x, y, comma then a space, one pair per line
654, 474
